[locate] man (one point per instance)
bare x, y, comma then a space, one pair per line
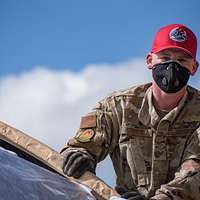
151, 131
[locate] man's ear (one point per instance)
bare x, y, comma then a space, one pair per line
149, 61
195, 67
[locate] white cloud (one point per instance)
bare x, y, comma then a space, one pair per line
48, 104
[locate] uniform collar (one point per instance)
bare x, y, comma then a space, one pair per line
148, 115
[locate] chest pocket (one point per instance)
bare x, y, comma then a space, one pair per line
138, 153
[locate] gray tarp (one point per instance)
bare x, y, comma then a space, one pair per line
23, 180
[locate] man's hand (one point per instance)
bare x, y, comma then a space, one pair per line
134, 195
76, 163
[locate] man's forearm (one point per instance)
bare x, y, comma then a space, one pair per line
185, 186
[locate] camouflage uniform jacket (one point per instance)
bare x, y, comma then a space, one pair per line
147, 151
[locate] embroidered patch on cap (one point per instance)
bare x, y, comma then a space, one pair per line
178, 34
85, 136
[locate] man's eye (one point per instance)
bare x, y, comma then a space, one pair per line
181, 60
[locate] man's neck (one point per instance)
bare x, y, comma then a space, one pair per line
165, 101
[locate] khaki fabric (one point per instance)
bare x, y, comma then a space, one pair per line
52, 159
146, 150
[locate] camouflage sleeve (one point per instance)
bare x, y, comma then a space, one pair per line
186, 184
98, 131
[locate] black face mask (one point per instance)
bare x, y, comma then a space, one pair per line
170, 76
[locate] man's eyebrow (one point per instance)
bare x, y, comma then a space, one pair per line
184, 56
164, 54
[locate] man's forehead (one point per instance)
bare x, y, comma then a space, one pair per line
178, 52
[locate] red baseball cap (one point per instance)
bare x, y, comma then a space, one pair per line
176, 36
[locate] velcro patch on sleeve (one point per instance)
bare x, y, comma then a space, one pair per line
85, 136
89, 121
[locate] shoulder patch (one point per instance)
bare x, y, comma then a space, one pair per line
85, 136
89, 121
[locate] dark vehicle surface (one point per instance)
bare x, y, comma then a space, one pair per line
31, 170
21, 179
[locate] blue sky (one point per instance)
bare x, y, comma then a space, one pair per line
58, 58
68, 34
